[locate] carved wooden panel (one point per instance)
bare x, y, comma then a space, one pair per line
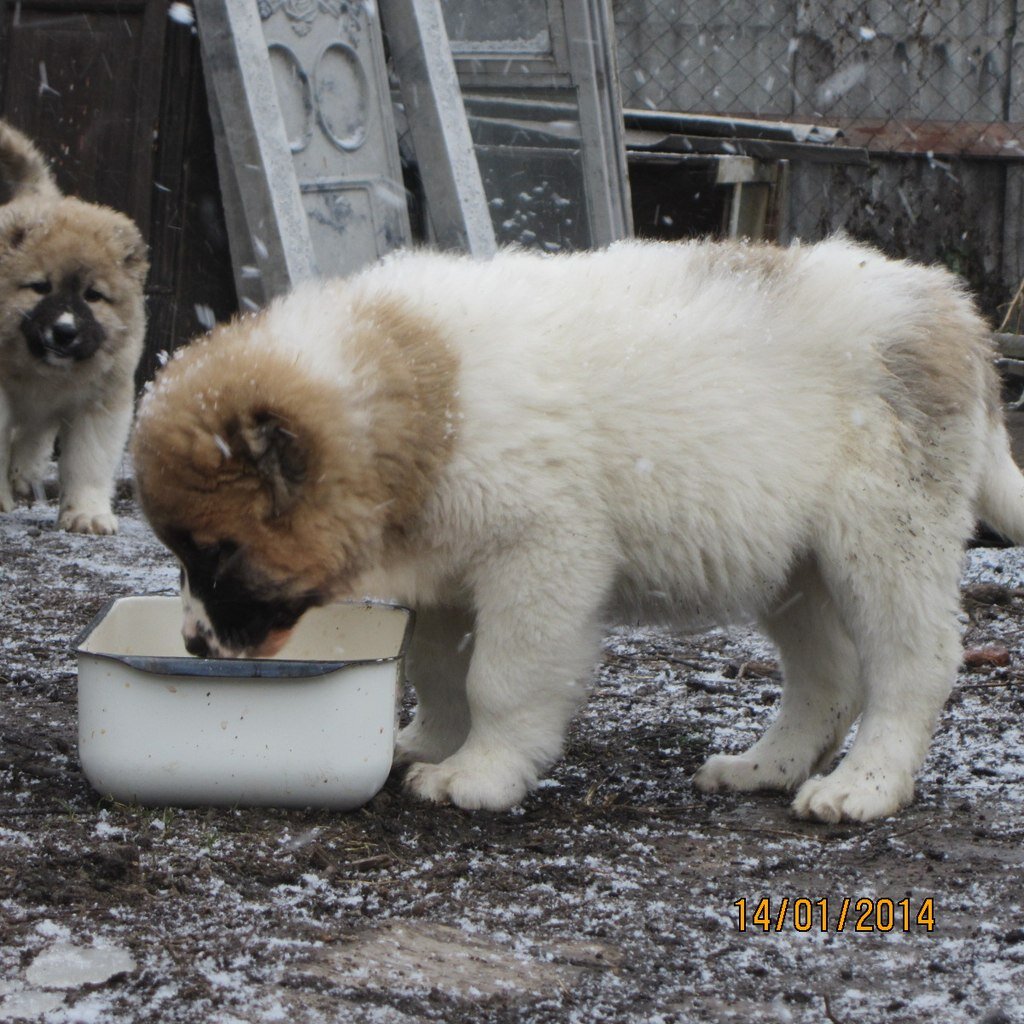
328, 64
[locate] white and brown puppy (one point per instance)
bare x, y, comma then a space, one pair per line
72, 322
530, 447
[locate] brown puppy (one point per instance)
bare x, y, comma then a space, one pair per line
72, 322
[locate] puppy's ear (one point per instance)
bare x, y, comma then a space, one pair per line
136, 254
23, 168
15, 224
278, 455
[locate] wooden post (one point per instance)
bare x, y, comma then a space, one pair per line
456, 203
267, 222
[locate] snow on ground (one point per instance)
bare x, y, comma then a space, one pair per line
611, 895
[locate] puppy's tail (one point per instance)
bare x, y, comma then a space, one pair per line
23, 169
1001, 495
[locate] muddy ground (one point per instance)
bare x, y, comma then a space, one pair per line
609, 896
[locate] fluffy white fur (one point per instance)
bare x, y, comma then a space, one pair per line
685, 434
92, 421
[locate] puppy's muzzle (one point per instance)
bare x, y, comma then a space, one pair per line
202, 643
58, 335
63, 342
198, 645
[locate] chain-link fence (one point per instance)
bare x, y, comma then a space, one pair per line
895, 75
932, 90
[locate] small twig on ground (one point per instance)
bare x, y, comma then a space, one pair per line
760, 831
364, 862
649, 810
829, 1015
907, 831
990, 685
691, 663
707, 687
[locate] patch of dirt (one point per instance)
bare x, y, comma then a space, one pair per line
611, 895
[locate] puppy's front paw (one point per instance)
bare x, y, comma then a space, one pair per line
741, 773
853, 795
101, 523
490, 781
6, 498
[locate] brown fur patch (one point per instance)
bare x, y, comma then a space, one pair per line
370, 448
769, 263
943, 366
413, 425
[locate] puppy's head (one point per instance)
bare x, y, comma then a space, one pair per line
71, 277
244, 584
251, 472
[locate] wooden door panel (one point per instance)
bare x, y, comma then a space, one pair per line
82, 80
112, 93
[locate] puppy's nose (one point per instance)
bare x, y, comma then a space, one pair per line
197, 645
64, 333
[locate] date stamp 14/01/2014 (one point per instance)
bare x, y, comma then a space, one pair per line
838, 914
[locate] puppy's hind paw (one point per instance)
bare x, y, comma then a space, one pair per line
489, 783
99, 523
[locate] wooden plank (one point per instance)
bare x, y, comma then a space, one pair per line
997, 139
527, 184
190, 279
747, 211
253, 149
764, 149
741, 170
1013, 228
456, 204
723, 127
1013, 194
591, 42
778, 226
